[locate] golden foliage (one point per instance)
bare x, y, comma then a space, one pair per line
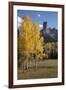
29, 40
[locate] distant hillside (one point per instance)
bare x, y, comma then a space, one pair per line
51, 35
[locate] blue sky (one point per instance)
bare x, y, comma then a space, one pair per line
41, 16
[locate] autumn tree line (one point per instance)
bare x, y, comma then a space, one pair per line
31, 45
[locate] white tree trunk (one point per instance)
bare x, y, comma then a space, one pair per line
36, 59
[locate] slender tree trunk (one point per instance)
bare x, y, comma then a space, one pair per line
36, 63
23, 67
27, 63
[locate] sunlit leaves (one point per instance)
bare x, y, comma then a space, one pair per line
29, 40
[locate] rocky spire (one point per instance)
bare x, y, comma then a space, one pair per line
45, 25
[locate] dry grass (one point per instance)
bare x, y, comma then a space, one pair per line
46, 69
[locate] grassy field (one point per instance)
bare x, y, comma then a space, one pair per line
46, 69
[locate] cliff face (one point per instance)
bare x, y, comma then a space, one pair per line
49, 34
